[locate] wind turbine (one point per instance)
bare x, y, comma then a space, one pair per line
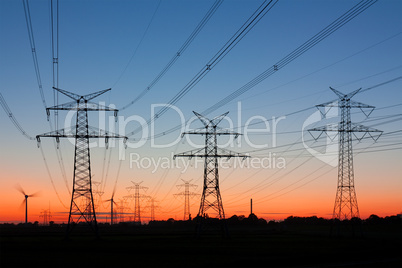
19, 188
111, 206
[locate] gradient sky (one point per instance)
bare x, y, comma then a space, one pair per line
97, 39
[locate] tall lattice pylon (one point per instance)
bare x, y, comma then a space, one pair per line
151, 205
187, 195
82, 205
137, 197
211, 200
346, 201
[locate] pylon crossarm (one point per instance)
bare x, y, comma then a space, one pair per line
77, 97
216, 120
210, 123
345, 96
362, 128
72, 105
363, 107
223, 131
100, 133
68, 94
198, 131
202, 118
68, 132
334, 127
188, 183
95, 94
364, 131
229, 154
328, 127
190, 154
219, 132
333, 103
356, 104
89, 106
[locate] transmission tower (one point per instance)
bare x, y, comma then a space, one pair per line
152, 207
96, 191
46, 215
137, 196
82, 202
346, 201
211, 197
122, 208
187, 194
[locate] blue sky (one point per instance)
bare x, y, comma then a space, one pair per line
98, 38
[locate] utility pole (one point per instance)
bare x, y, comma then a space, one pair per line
137, 196
211, 196
346, 201
187, 194
82, 202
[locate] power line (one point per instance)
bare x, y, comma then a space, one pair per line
317, 38
33, 50
382, 84
298, 141
292, 113
176, 56
37, 71
51, 178
313, 41
55, 55
13, 119
139, 44
364, 151
233, 41
311, 107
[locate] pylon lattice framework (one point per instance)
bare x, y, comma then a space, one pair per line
346, 201
211, 197
152, 207
137, 196
82, 202
46, 215
187, 195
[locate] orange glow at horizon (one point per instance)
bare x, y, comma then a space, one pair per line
298, 203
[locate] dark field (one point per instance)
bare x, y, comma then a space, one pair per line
174, 245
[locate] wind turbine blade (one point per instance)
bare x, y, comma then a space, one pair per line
37, 194
22, 204
114, 190
19, 188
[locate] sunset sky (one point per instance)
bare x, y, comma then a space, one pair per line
124, 45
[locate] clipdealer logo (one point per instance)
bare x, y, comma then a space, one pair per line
147, 132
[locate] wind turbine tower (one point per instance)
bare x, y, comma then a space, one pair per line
25, 202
